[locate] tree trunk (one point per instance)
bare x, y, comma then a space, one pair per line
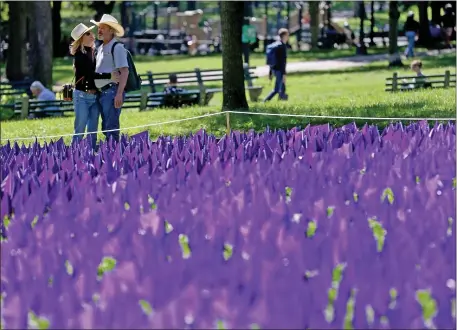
56, 32
300, 25
248, 12
101, 7
16, 62
424, 30
394, 15
40, 53
436, 11
372, 23
328, 5
363, 15
314, 24
234, 94
191, 5
124, 16
155, 25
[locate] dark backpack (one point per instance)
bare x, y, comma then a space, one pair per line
271, 53
133, 80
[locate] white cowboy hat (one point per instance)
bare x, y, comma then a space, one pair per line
112, 22
79, 31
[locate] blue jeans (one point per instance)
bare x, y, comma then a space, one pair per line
280, 87
110, 114
86, 114
411, 36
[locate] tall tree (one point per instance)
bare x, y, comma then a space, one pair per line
56, 32
394, 15
314, 24
16, 63
191, 5
234, 94
372, 23
363, 15
424, 30
40, 37
436, 10
101, 7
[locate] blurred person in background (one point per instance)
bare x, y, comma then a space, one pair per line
411, 29
43, 94
448, 23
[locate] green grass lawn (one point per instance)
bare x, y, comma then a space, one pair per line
353, 92
63, 73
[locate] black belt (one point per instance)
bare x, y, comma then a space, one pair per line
104, 88
102, 76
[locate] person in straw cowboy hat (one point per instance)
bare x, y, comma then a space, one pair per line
111, 91
87, 108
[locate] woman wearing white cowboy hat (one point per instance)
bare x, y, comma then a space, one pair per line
111, 58
85, 102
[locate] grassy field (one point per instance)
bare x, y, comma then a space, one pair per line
62, 72
353, 92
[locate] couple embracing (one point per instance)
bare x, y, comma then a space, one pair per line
100, 78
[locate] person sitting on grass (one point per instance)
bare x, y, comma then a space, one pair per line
42, 94
172, 87
421, 80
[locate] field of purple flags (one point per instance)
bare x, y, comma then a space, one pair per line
315, 228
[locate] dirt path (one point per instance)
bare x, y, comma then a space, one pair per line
341, 63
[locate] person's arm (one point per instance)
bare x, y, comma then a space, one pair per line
121, 64
78, 62
283, 57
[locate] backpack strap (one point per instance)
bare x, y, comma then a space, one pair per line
112, 52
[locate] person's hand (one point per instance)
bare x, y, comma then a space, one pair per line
118, 100
284, 79
115, 75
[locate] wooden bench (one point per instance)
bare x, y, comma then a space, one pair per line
144, 101
395, 83
26, 107
200, 77
15, 88
186, 98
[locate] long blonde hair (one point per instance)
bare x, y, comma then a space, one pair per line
77, 44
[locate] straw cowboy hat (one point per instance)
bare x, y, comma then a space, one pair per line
79, 31
112, 22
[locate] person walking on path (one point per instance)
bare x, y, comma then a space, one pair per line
111, 58
448, 21
411, 29
277, 60
87, 109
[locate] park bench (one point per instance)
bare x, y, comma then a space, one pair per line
200, 77
15, 88
144, 100
27, 107
395, 83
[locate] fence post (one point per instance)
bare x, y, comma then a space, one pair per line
227, 118
25, 107
201, 86
395, 82
143, 100
447, 78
